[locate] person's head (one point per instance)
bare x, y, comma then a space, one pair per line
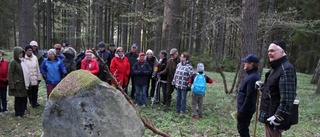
134, 48
250, 62
276, 50
174, 53
52, 54
28, 49
119, 51
112, 47
200, 67
141, 57
149, 53
163, 54
18, 53
88, 54
102, 46
34, 45
184, 56
58, 48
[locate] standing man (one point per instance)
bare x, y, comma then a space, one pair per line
132, 57
105, 55
169, 71
59, 51
36, 52
3, 83
34, 76
278, 92
112, 49
247, 95
163, 78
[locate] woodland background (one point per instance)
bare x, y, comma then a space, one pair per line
216, 32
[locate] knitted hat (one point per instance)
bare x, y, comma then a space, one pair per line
102, 44
200, 67
134, 46
281, 43
27, 47
149, 51
33, 43
53, 51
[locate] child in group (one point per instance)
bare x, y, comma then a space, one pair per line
198, 88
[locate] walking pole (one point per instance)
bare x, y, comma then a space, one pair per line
256, 117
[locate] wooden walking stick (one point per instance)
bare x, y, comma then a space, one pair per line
256, 117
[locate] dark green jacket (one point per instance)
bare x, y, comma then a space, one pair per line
15, 77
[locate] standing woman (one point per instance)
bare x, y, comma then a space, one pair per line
3, 83
52, 70
180, 81
120, 68
89, 63
18, 81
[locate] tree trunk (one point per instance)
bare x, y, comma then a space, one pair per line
315, 76
49, 25
99, 22
73, 23
137, 21
265, 37
174, 23
249, 32
158, 12
26, 29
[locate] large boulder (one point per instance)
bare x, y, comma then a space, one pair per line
83, 106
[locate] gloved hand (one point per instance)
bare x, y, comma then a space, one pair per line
258, 85
275, 120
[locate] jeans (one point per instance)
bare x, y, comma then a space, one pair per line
164, 91
141, 94
133, 89
3, 98
181, 100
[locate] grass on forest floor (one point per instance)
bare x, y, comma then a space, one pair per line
217, 120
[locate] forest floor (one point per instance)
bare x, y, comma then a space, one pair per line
216, 122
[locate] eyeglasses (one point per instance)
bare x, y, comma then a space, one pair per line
120, 51
58, 48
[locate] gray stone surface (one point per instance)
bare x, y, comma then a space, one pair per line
90, 111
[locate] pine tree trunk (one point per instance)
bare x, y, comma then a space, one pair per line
49, 25
26, 28
137, 21
99, 23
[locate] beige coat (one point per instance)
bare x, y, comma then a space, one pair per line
34, 71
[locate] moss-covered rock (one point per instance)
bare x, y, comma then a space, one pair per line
74, 82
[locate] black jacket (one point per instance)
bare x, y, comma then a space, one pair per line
247, 94
141, 73
161, 66
133, 58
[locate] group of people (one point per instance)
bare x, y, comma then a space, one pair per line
278, 93
27, 68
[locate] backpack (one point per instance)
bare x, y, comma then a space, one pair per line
199, 84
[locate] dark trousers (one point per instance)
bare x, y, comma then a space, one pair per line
153, 87
133, 89
33, 95
243, 124
164, 91
20, 105
169, 92
3, 98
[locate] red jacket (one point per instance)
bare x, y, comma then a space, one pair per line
121, 70
4, 73
92, 66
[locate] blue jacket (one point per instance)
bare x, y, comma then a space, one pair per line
247, 94
53, 70
141, 73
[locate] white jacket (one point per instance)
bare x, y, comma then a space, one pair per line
34, 71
